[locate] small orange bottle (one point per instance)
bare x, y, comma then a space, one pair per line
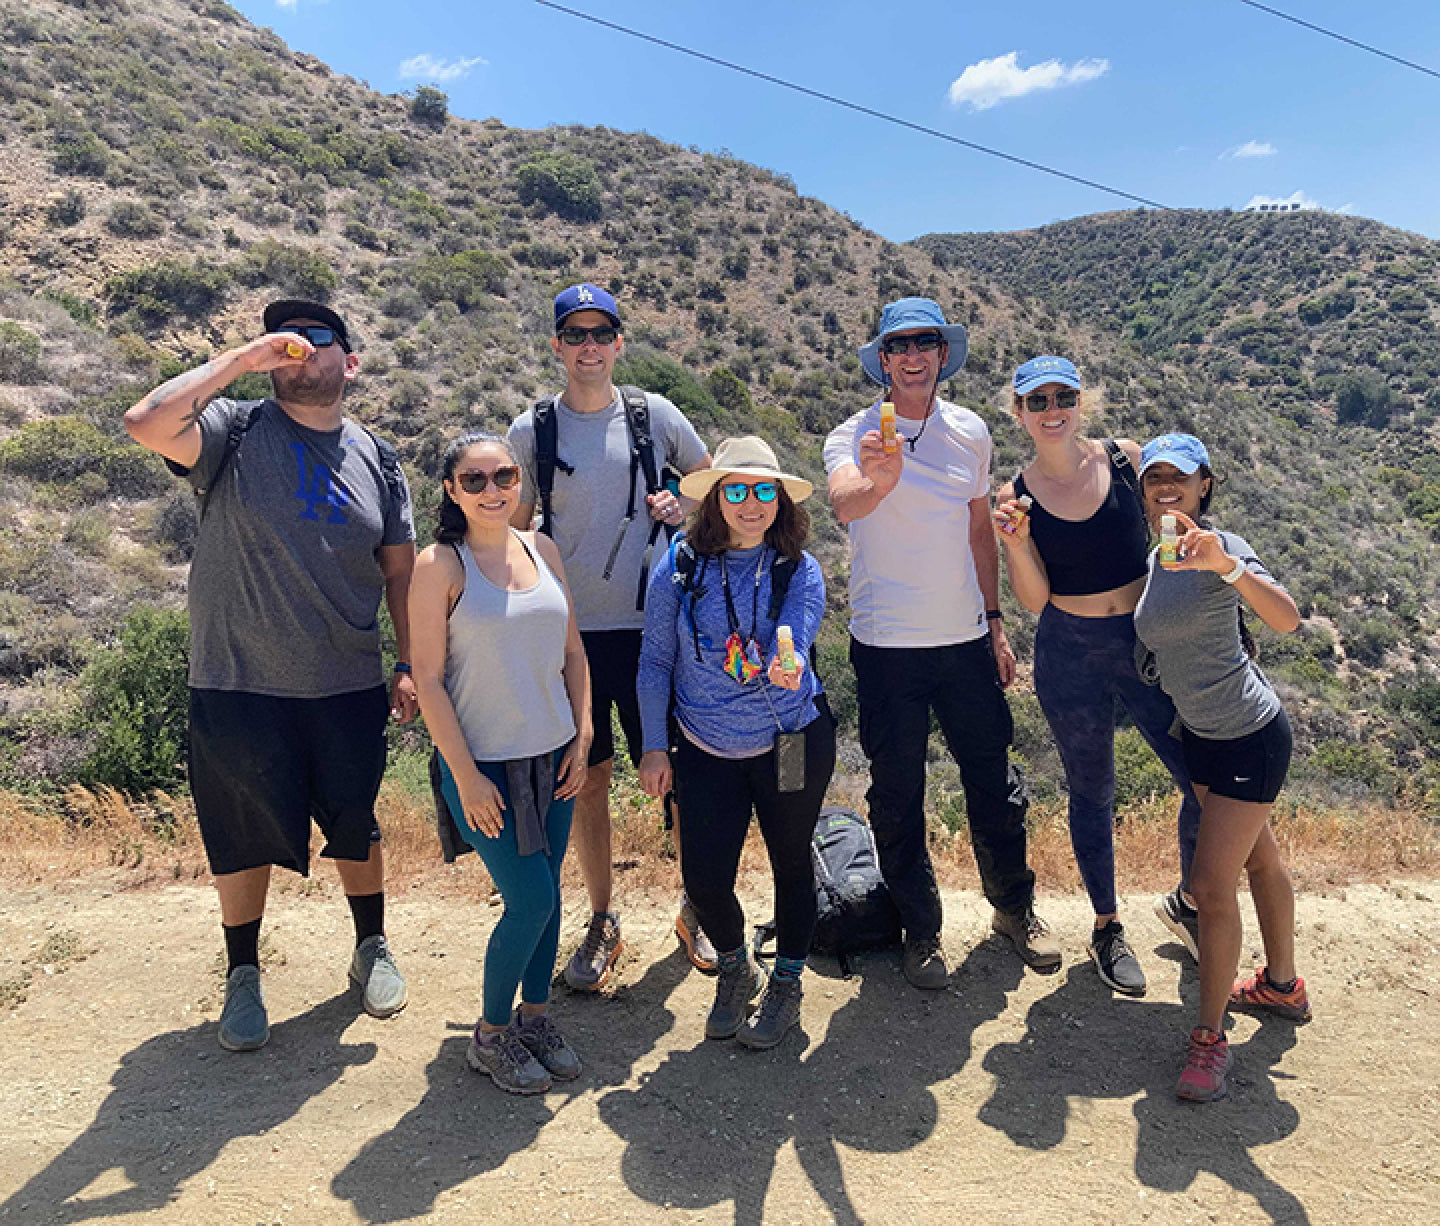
889, 436
785, 645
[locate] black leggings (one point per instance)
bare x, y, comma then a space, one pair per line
716, 797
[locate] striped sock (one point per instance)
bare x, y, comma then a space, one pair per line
788, 968
731, 958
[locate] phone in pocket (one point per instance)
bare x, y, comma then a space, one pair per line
790, 761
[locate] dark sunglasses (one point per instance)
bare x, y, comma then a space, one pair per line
317, 334
475, 482
605, 334
737, 491
1038, 402
926, 342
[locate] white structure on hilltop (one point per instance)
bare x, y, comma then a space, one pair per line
1298, 203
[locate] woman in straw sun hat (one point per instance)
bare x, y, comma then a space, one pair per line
730, 617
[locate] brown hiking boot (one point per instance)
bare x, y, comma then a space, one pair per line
1031, 937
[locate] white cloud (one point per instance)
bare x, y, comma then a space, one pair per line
288, 4
989, 82
1252, 149
429, 68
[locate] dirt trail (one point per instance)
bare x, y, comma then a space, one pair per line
1010, 1098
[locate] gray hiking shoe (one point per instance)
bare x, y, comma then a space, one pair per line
588, 970
697, 945
1118, 966
507, 1061
924, 964
1031, 937
735, 988
1181, 919
543, 1040
243, 1023
779, 1011
373, 970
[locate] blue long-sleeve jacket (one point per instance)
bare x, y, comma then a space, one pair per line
725, 715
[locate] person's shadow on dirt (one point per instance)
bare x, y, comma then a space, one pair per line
1082, 1041
178, 1100
705, 1127
464, 1126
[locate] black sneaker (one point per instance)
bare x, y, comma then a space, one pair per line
1118, 966
1181, 919
735, 988
778, 1013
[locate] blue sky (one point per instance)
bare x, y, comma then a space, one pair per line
1192, 103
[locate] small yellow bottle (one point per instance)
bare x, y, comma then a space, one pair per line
293, 350
785, 645
1169, 541
889, 436
1024, 502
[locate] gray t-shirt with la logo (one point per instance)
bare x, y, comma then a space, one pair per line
286, 584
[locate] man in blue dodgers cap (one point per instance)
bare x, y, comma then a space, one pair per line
605, 525
926, 632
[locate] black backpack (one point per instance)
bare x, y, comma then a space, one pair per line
855, 908
642, 465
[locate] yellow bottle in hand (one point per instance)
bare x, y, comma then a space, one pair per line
293, 350
889, 436
785, 645
1017, 517
1169, 541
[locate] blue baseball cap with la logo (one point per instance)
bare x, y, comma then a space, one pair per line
1184, 451
1037, 372
584, 297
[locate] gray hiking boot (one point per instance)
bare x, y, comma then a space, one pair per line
588, 970
243, 1024
373, 970
697, 945
779, 1011
507, 1061
543, 1040
1031, 937
735, 988
924, 964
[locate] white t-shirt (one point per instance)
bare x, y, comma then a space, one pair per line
912, 573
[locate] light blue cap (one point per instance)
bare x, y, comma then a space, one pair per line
1184, 451
1037, 372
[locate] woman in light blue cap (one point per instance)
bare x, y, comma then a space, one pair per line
1075, 542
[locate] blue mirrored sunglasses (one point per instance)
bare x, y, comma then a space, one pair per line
737, 491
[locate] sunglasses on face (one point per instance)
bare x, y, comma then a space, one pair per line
1038, 402
926, 342
737, 491
475, 482
317, 334
605, 334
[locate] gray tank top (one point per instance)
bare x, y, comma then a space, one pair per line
504, 655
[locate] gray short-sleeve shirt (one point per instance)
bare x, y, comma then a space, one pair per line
590, 503
285, 586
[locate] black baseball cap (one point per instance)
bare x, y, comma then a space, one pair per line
278, 314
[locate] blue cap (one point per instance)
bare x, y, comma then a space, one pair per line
584, 297
1037, 372
1184, 451
907, 315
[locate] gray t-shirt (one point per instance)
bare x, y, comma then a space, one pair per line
1188, 619
286, 584
590, 503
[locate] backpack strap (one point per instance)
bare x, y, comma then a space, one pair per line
642, 453
245, 416
684, 563
1123, 468
390, 469
547, 459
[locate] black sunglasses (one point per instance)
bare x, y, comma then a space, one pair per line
605, 334
1038, 402
926, 342
317, 334
475, 482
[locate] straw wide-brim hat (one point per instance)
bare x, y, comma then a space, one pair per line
748, 457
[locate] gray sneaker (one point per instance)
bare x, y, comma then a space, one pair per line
543, 1040
243, 1024
507, 1061
924, 964
1181, 919
1115, 960
735, 988
779, 1011
588, 970
1031, 937
373, 970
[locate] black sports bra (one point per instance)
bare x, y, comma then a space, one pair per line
1101, 553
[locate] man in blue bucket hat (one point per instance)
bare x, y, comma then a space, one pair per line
926, 632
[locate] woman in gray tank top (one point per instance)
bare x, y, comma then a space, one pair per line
505, 691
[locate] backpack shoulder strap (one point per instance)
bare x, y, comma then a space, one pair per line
782, 571
1123, 468
246, 415
389, 468
637, 418
547, 458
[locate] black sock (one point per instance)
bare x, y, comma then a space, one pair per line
368, 911
242, 945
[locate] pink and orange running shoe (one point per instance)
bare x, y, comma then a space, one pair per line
1258, 993
1203, 1079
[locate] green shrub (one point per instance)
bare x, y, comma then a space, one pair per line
666, 377
136, 701
63, 449
131, 219
20, 360
80, 153
430, 107
1139, 774
1363, 398
563, 183
67, 210
467, 278
1365, 763
292, 270
169, 287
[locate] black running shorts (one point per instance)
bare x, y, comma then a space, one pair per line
1249, 768
262, 767
614, 657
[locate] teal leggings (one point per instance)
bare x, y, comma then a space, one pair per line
521, 953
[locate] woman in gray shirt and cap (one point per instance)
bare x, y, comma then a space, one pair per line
1237, 745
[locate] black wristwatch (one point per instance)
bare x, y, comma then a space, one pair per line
402, 667
994, 615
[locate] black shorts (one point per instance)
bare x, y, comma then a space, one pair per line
262, 767
1249, 768
614, 657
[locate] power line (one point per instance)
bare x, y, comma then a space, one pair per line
853, 106
1265, 8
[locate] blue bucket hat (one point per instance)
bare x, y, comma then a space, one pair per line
1037, 372
907, 315
584, 297
1184, 451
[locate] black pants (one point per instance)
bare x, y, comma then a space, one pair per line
716, 798
897, 688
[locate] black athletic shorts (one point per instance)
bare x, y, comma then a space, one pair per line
614, 657
1249, 768
262, 767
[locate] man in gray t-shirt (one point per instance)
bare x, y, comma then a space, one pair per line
305, 523
604, 521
